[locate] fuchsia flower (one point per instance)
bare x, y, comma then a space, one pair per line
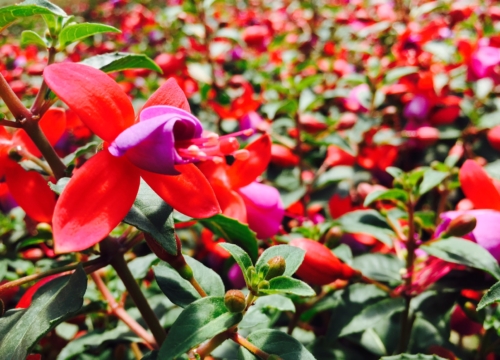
162, 144
483, 60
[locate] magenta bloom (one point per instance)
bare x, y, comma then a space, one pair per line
487, 231
156, 133
417, 108
251, 120
264, 208
484, 60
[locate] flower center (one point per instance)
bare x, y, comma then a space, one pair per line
213, 147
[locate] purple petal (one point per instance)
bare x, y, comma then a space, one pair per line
264, 208
417, 108
150, 143
235, 276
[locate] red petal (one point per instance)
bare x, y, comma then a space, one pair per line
231, 203
478, 186
31, 192
25, 300
53, 124
244, 172
169, 94
190, 192
96, 98
94, 202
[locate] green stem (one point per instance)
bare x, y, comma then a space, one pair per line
138, 297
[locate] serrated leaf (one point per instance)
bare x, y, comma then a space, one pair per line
367, 222
53, 303
389, 194
464, 252
397, 73
277, 343
288, 285
241, 258
293, 257
412, 357
76, 32
153, 215
233, 232
29, 37
432, 178
372, 314
491, 296
28, 8
199, 321
119, 61
180, 291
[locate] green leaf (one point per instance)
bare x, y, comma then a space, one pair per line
180, 291
492, 296
199, 321
28, 8
264, 310
292, 255
275, 342
71, 158
76, 32
432, 178
29, 37
461, 251
53, 303
394, 171
412, 357
380, 267
153, 215
389, 194
372, 314
139, 267
393, 75
306, 99
119, 61
241, 258
288, 285
367, 222
61, 184
234, 232
335, 174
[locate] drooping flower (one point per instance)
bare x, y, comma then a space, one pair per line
102, 191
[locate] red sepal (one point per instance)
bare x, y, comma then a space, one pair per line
169, 94
478, 186
53, 124
244, 172
95, 200
190, 192
31, 192
231, 203
96, 98
25, 300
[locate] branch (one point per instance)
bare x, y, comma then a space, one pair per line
240, 340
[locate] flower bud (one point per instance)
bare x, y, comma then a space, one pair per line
494, 137
347, 121
277, 266
263, 285
461, 225
332, 236
235, 301
177, 261
427, 135
44, 229
283, 156
320, 265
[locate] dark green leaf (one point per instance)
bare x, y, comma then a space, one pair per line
234, 232
277, 343
288, 285
389, 194
492, 296
264, 309
199, 321
121, 61
367, 222
380, 267
28, 8
76, 32
139, 267
432, 178
29, 37
412, 357
372, 314
53, 303
179, 290
461, 251
241, 258
335, 174
153, 215
292, 255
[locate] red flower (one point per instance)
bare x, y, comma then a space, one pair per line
478, 187
103, 190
